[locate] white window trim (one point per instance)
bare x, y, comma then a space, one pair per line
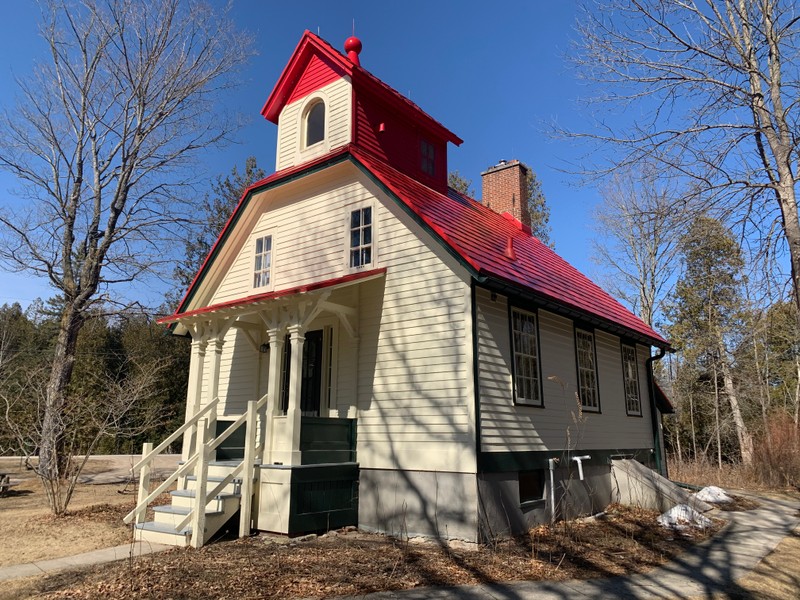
626, 381
584, 406
318, 148
252, 263
348, 215
539, 388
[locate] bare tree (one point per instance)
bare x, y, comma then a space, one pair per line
97, 140
638, 232
713, 88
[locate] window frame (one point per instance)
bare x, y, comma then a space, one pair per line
626, 381
307, 110
538, 358
271, 272
349, 232
524, 479
427, 157
594, 408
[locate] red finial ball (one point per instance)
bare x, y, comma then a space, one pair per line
352, 46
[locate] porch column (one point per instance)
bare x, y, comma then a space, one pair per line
213, 381
289, 453
275, 339
194, 391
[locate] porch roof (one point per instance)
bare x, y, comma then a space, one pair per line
263, 298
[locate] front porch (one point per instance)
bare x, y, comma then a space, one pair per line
287, 462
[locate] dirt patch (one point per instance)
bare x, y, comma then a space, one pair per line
31, 533
351, 563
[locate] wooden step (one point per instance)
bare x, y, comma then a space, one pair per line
161, 533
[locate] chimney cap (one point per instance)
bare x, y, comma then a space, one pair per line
505, 164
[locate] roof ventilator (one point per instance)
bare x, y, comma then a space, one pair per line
509, 253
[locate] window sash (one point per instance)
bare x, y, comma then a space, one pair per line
587, 370
361, 237
427, 157
262, 265
527, 380
630, 374
315, 124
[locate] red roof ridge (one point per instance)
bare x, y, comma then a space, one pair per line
279, 93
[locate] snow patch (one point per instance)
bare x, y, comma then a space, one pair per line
683, 516
714, 495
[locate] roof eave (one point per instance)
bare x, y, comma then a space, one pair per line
499, 284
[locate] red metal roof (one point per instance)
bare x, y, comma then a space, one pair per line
266, 296
476, 234
294, 69
481, 237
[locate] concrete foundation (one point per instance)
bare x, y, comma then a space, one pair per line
502, 513
418, 503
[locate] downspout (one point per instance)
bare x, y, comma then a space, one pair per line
660, 466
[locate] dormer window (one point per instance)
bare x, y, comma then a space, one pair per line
315, 123
427, 157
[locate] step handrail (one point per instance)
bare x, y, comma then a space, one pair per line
212, 494
251, 417
234, 425
176, 434
180, 472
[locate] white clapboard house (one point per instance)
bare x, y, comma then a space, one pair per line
372, 348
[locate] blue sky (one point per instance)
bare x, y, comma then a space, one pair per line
495, 74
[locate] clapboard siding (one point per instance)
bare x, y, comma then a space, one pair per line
560, 423
407, 375
337, 96
413, 401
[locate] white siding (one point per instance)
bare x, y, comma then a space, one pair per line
408, 376
413, 390
338, 99
239, 375
559, 424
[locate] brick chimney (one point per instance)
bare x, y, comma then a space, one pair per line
505, 189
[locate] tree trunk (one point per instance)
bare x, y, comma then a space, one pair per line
54, 459
716, 417
742, 432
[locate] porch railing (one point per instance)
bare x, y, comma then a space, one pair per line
198, 460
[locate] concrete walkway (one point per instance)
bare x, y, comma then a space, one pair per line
714, 566
711, 567
78, 561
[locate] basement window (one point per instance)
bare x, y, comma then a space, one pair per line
531, 488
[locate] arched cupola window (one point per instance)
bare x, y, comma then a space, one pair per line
315, 123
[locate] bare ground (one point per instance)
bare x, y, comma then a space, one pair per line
343, 563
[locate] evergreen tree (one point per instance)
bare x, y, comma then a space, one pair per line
213, 212
706, 316
460, 184
538, 209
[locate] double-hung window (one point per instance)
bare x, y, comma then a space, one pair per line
262, 269
527, 380
587, 370
427, 157
361, 241
630, 375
